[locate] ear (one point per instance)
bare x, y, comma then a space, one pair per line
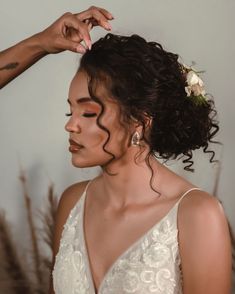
147, 122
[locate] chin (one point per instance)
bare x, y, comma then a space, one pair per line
80, 164
90, 159
83, 163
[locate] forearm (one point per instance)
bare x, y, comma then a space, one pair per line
65, 33
16, 59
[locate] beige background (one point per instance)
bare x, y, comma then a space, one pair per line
32, 107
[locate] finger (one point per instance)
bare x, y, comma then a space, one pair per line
97, 15
88, 13
71, 46
73, 35
92, 21
81, 27
89, 24
80, 49
103, 23
106, 13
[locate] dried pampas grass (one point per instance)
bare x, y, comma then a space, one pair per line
14, 277
18, 275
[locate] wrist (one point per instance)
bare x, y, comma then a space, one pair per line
36, 45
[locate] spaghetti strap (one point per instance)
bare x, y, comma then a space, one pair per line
185, 193
87, 185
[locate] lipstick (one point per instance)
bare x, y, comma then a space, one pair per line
74, 146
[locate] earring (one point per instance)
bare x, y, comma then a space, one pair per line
135, 140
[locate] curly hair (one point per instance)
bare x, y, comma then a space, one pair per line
147, 80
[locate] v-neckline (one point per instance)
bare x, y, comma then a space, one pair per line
97, 291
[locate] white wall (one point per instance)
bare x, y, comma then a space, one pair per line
32, 107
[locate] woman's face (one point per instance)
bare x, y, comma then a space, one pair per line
83, 128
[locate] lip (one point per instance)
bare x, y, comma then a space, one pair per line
74, 146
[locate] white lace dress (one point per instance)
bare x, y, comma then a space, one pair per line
151, 265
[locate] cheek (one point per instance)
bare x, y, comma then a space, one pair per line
94, 136
94, 155
118, 137
118, 142
119, 134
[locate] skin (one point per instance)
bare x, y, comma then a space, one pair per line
66, 33
133, 207
91, 136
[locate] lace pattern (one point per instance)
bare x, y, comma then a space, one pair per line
150, 265
69, 274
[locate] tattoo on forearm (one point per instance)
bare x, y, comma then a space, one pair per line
10, 66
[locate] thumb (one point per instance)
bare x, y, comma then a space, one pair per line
71, 46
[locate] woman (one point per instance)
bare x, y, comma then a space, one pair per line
139, 227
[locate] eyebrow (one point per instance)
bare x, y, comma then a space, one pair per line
81, 100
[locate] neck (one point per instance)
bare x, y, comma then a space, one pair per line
131, 182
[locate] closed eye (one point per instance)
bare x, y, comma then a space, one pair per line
89, 114
85, 114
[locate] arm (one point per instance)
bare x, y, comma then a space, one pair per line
205, 246
67, 201
65, 33
18, 58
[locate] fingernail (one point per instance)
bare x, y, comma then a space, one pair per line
81, 49
107, 26
88, 42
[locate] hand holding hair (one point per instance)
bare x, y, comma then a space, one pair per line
66, 33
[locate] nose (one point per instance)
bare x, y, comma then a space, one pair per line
72, 126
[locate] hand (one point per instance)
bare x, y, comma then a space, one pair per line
67, 32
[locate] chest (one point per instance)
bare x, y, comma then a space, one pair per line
101, 254
109, 235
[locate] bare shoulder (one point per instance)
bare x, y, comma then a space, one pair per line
198, 202
67, 201
204, 244
200, 211
70, 197
200, 207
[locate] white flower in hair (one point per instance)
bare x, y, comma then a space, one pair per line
194, 88
194, 85
188, 91
194, 79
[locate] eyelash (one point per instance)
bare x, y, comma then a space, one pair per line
84, 114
